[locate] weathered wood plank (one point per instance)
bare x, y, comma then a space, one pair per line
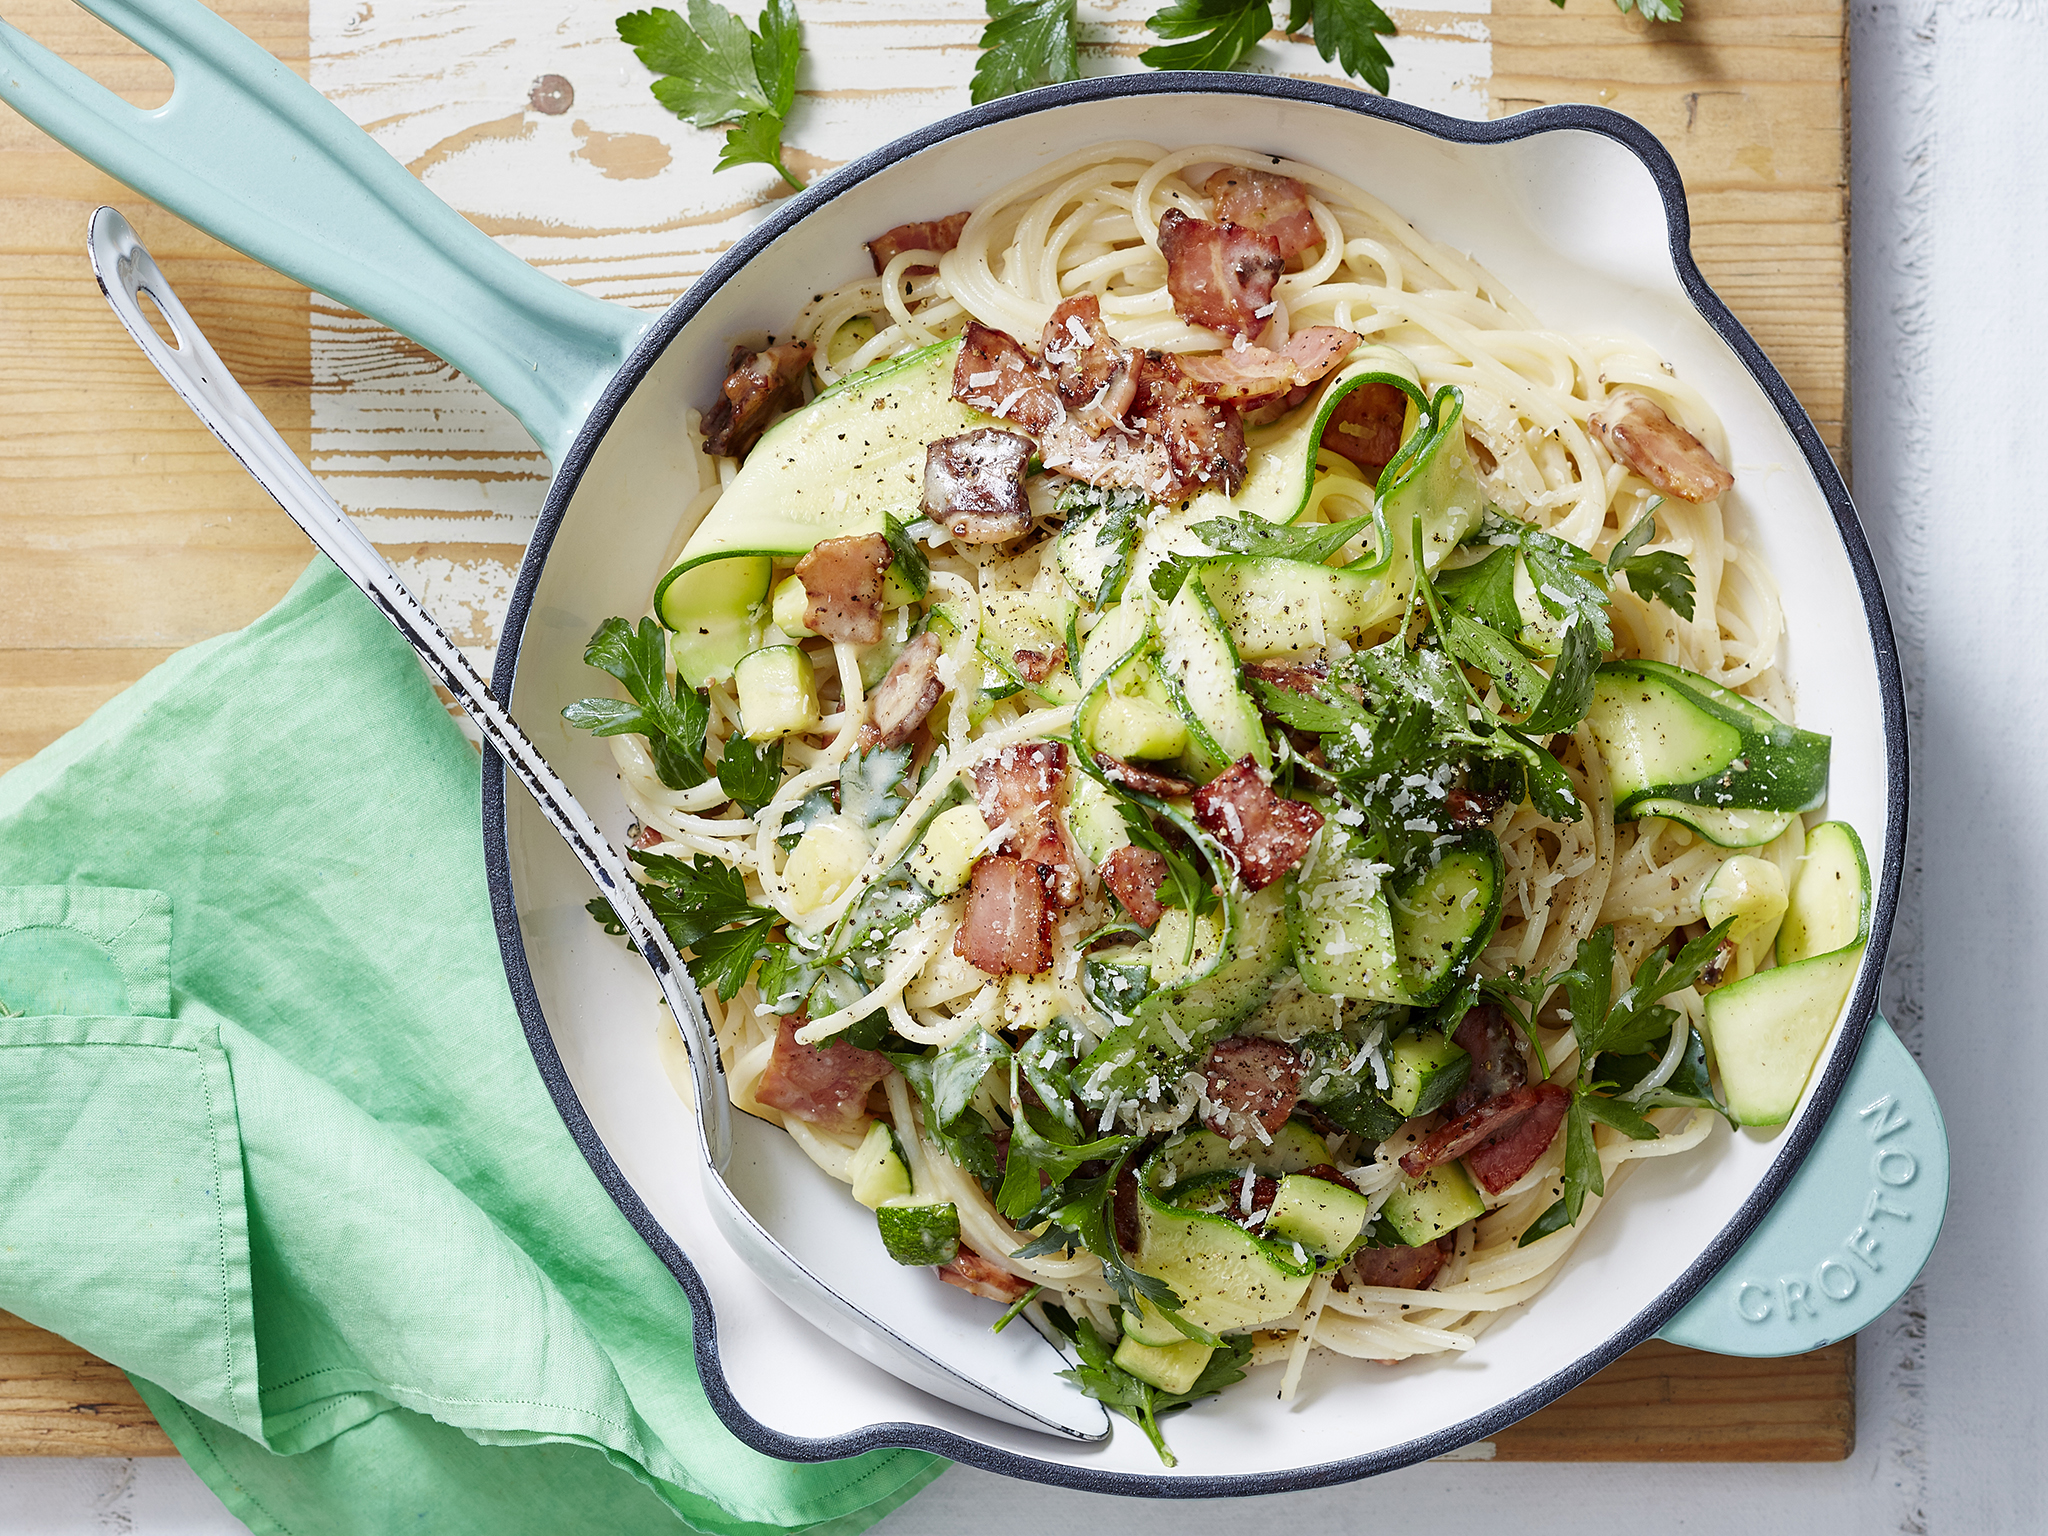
57, 1400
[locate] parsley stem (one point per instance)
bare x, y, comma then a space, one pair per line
1015, 1307
786, 176
1427, 589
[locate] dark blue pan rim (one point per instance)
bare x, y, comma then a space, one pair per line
1639, 141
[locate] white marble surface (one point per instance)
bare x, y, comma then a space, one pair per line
1949, 310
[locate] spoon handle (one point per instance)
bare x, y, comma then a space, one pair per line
126, 271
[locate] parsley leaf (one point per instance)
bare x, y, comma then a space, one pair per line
1219, 32
1651, 10
699, 903
714, 70
1110, 1384
750, 773
1569, 692
910, 560
1662, 575
1311, 543
1349, 31
674, 723
947, 1082
1485, 591
1026, 43
1114, 518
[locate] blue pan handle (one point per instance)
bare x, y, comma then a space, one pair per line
253, 155
1850, 1233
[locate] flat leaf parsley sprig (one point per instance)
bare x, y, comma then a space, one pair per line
715, 71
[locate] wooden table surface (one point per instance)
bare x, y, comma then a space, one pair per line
127, 533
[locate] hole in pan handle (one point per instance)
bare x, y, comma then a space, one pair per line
1851, 1231
250, 153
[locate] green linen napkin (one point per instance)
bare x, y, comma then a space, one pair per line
271, 1139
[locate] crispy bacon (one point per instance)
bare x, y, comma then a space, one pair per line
1247, 374
644, 836
1467, 809
1180, 440
843, 586
1366, 427
1401, 1269
826, 1085
996, 374
1019, 788
1219, 275
1097, 379
978, 1277
1250, 1080
1274, 206
757, 385
906, 696
1637, 432
1488, 1038
974, 485
1143, 780
1264, 833
1037, 666
1500, 1140
1294, 676
1007, 926
938, 236
1133, 874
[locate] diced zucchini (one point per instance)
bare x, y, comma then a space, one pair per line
1294, 1148
715, 611
1224, 1276
778, 692
1425, 1072
1027, 621
919, 1231
1829, 906
1169, 1367
1675, 746
823, 864
1200, 670
1767, 1031
1343, 933
945, 858
789, 604
1138, 728
1324, 1218
1148, 1325
1094, 819
849, 339
1441, 1201
1751, 891
1239, 984
878, 1169
1444, 915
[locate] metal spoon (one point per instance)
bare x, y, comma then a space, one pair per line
1004, 1377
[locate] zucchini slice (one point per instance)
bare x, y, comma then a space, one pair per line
1679, 745
1444, 915
1767, 1030
1200, 669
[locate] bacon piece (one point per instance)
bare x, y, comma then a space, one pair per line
1500, 1140
1219, 275
843, 586
1134, 873
1467, 809
1250, 1080
996, 374
898, 707
938, 236
1274, 206
1264, 833
1366, 427
1037, 666
1007, 926
1097, 378
1402, 1269
974, 485
1488, 1038
1143, 780
1329, 1173
645, 836
757, 385
1637, 432
826, 1085
1179, 441
1294, 676
1253, 373
1020, 788
978, 1277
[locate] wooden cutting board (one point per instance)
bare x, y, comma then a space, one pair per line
127, 533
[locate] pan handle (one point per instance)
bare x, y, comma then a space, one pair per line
250, 153
1852, 1229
